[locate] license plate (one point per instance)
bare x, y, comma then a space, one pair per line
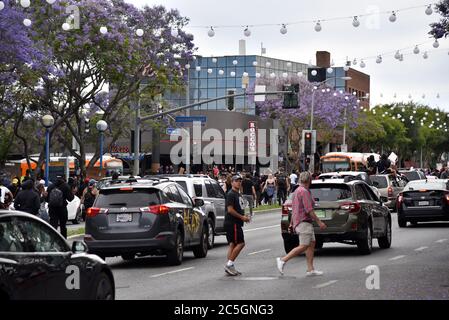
124, 217
423, 203
320, 213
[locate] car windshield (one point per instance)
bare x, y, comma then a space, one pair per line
423, 185
336, 166
138, 197
379, 181
330, 192
411, 175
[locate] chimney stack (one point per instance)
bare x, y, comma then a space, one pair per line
323, 59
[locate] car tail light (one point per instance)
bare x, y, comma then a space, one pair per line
284, 210
400, 200
158, 209
390, 192
92, 212
352, 207
446, 198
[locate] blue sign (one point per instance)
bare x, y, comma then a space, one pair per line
191, 119
170, 131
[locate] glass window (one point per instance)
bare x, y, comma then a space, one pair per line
203, 83
249, 60
198, 188
230, 82
212, 82
212, 105
359, 193
221, 92
183, 184
218, 190
210, 190
221, 62
370, 194
185, 198
202, 94
211, 93
221, 104
221, 82
325, 192
26, 235
229, 60
379, 181
175, 194
238, 82
239, 71
203, 72
241, 61
137, 197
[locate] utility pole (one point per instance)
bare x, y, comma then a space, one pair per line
137, 139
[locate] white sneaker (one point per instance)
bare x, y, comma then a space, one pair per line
314, 273
280, 265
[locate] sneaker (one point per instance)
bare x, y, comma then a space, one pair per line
314, 273
280, 265
230, 270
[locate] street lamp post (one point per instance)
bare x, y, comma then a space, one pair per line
47, 121
101, 127
312, 159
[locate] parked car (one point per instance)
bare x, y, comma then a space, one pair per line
36, 262
360, 175
423, 200
389, 187
106, 181
141, 218
209, 190
350, 209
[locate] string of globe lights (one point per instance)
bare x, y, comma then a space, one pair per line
393, 14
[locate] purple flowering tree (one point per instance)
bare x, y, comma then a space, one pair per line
101, 64
441, 29
329, 108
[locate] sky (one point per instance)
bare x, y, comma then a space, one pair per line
376, 35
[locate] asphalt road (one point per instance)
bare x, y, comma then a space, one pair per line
415, 267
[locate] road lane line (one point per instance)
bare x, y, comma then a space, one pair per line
170, 272
325, 284
396, 258
441, 240
262, 228
256, 252
421, 248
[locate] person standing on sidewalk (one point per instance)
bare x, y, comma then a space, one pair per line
59, 195
301, 221
249, 192
234, 218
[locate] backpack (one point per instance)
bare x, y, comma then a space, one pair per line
56, 198
282, 181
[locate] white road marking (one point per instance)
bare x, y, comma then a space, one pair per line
421, 248
255, 278
262, 228
325, 284
255, 252
441, 240
396, 258
174, 271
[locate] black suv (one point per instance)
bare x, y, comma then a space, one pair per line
150, 217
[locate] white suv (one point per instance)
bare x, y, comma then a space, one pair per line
203, 187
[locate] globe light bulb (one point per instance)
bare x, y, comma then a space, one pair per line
25, 3
245, 74
2, 5
416, 50
209, 71
355, 22
235, 62
268, 64
362, 64
283, 29
255, 63
258, 75
187, 66
314, 72
221, 72
425, 55
211, 32
354, 62
65, 26
346, 68
392, 18
198, 68
27, 22
247, 32
285, 75
397, 55
300, 74
174, 32
330, 70
103, 30
318, 26
139, 32
379, 59
436, 44
51, 1
429, 10
273, 75
232, 74
214, 60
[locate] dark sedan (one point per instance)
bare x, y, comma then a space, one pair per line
36, 262
423, 200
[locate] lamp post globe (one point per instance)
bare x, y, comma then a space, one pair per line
102, 126
48, 121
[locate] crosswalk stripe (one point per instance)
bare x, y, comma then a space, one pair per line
421, 248
325, 284
170, 272
396, 258
256, 252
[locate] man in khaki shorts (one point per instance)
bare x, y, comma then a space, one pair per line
301, 221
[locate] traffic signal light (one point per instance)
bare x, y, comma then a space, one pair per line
308, 143
291, 97
230, 100
86, 125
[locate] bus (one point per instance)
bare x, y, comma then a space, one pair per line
58, 166
345, 161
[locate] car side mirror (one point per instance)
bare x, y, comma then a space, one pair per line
79, 247
198, 202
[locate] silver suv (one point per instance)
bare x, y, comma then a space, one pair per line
203, 187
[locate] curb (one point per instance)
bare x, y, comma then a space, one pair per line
75, 235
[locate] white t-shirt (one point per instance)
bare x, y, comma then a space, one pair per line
293, 178
3, 192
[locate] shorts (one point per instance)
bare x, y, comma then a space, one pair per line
234, 233
306, 233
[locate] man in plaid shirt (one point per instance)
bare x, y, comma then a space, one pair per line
301, 221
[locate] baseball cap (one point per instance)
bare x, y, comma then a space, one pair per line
236, 177
92, 182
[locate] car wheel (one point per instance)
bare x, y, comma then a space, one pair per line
200, 251
103, 289
128, 256
175, 255
402, 223
385, 241
366, 245
211, 234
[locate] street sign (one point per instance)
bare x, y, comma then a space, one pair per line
344, 148
170, 131
191, 118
